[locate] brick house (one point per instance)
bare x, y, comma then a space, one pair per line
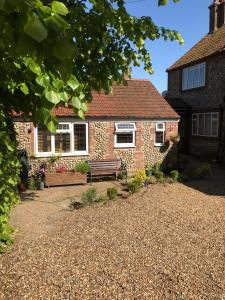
196, 89
134, 123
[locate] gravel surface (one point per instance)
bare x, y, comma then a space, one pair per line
166, 242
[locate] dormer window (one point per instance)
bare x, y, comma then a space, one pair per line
193, 77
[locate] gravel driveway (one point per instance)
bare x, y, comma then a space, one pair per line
164, 243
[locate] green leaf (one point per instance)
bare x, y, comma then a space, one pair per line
17, 65
24, 88
64, 97
162, 2
34, 67
51, 125
84, 107
59, 8
73, 83
64, 49
53, 97
57, 83
2, 4
81, 114
76, 102
35, 29
43, 80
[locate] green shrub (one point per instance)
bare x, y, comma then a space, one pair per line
102, 199
9, 177
157, 167
206, 170
140, 175
112, 193
159, 175
90, 196
202, 172
151, 180
82, 167
31, 184
134, 185
174, 175
122, 175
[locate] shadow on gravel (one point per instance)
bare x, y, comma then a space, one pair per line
214, 186
28, 196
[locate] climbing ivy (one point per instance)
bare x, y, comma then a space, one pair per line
9, 170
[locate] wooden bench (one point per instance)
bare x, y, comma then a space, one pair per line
104, 167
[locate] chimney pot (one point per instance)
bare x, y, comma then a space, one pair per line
217, 15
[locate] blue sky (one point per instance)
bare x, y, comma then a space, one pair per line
189, 17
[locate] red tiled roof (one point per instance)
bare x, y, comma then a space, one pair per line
139, 99
209, 45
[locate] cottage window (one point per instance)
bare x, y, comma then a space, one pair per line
125, 135
193, 77
70, 139
205, 124
159, 134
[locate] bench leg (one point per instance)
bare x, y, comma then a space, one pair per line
91, 180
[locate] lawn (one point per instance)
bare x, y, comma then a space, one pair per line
166, 242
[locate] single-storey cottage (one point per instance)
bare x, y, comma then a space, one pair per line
133, 123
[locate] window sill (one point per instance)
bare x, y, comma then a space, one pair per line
124, 147
159, 145
49, 155
193, 89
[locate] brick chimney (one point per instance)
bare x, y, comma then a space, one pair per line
217, 15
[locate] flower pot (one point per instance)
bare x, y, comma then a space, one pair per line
39, 184
65, 178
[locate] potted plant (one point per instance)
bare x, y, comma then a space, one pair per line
62, 176
82, 167
39, 180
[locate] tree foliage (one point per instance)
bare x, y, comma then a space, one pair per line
57, 52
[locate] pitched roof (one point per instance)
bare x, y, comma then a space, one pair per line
209, 45
138, 99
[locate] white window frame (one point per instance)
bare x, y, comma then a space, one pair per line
188, 80
195, 117
72, 151
157, 129
118, 130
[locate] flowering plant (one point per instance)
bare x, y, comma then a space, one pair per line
61, 169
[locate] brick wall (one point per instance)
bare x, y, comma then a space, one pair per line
101, 145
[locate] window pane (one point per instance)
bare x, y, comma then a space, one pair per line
194, 127
124, 138
44, 140
201, 124
80, 137
62, 142
190, 78
63, 126
214, 127
160, 126
207, 125
185, 77
196, 77
202, 75
125, 126
159, 137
